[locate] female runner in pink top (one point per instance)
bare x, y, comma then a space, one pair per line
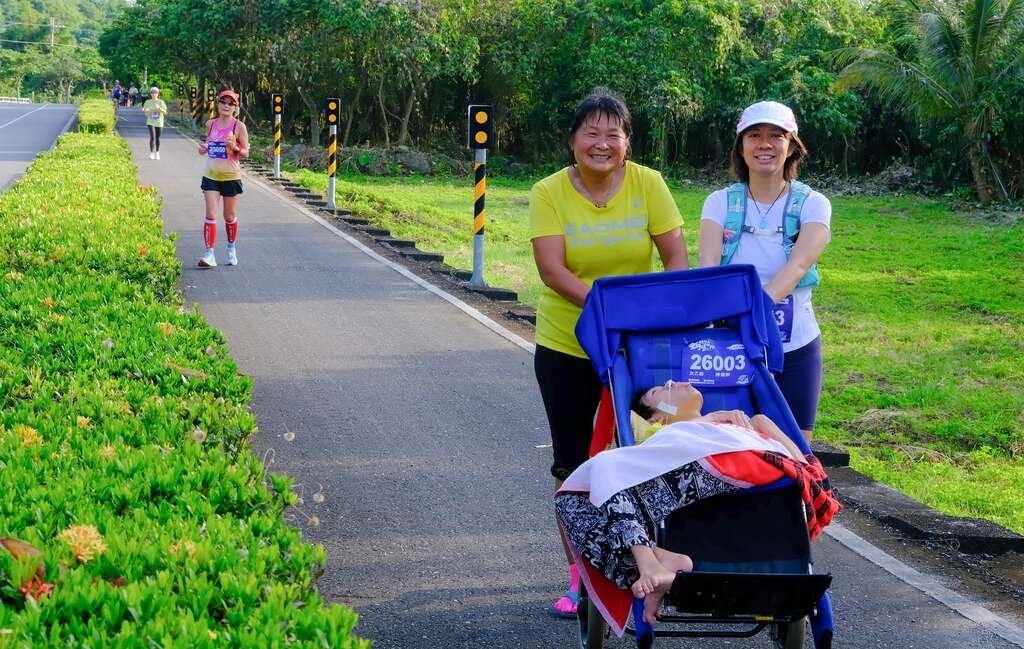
227, 141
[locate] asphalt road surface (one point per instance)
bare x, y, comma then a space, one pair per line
424, 434
25, 130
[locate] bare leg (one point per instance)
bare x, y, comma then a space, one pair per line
230, 205
212, 200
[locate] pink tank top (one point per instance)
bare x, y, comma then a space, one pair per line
221, 161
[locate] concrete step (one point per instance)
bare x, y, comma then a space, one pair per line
494, 293
419, 255
396, 243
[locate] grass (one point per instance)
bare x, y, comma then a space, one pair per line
921, 307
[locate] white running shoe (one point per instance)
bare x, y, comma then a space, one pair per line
208, 261
152, 156
232, 257
157, 155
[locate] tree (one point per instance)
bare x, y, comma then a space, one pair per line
948, 63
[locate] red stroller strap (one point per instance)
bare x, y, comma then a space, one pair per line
604, 424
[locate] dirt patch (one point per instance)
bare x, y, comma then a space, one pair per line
889, 421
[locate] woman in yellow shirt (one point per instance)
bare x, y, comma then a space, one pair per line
604, 215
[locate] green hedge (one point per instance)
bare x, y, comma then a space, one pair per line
96, 116
123, 437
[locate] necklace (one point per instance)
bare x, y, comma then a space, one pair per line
590, 196
763, 223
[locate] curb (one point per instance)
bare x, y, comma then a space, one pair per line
856, 490
917, 520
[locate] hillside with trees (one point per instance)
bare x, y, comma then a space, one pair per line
48, 47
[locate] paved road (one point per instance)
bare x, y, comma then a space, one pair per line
421, 430
25, 130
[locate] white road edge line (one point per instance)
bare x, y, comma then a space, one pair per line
928, 585
6, 124
517, 340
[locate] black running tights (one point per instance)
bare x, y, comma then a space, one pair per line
154, 137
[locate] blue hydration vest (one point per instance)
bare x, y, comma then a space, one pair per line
736, 220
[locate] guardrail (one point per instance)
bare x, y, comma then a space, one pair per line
16, 100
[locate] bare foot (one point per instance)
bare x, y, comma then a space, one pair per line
655, 577
671, 563
673, 560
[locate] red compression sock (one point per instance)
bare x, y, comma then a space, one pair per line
232, 229
210, 233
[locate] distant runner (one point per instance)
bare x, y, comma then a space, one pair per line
155, 109
227, 141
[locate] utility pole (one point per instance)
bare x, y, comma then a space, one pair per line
53, 31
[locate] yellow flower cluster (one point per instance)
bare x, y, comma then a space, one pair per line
186, 547
29, 436
85, 542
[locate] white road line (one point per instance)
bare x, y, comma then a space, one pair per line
928, 585
23, 116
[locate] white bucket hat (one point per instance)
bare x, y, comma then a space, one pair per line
767, 112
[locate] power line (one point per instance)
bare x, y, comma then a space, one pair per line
47, 43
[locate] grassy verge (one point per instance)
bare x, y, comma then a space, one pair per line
922, 311
140, 516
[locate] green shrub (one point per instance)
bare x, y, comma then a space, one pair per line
123, 437
96, 116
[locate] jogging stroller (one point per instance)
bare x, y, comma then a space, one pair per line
715, 328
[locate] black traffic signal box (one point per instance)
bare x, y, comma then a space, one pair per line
481, 129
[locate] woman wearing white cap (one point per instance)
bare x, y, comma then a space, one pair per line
781, 226
156, 110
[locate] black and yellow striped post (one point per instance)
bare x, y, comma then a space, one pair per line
333, 111
481, 132
181, 101
211, 107
277, 106
194, 107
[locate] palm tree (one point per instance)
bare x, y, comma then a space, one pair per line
951, 55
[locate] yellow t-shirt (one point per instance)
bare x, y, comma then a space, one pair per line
599, 241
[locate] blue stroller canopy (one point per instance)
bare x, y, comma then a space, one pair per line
637, 329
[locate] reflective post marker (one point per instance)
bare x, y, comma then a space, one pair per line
194, 105
210, 106
277, 105
481, 132
181, 101
333, 115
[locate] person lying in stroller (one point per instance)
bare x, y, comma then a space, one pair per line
610, 507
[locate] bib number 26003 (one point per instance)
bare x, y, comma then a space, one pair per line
714, 362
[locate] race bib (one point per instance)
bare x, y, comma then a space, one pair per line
217, 149
155, 114
718, 363
783, 312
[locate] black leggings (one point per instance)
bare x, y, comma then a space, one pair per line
154, 137
571, 392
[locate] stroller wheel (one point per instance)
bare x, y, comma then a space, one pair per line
590, 624
790, 635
